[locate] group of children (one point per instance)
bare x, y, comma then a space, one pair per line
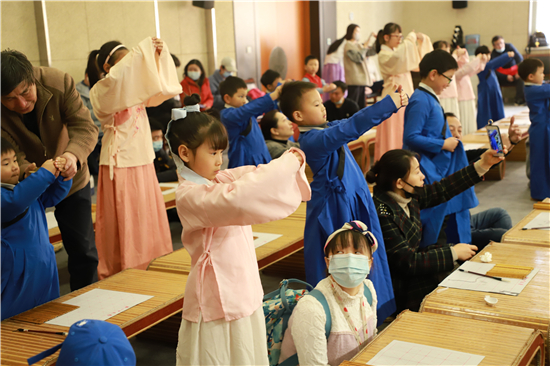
382, 254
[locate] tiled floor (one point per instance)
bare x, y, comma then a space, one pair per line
512, 194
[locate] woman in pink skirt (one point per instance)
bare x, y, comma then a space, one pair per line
131, 221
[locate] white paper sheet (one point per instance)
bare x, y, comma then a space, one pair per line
542, 220
264, 238
469, 281
172, 186
50, 218
473, 146
406, 353
98, 304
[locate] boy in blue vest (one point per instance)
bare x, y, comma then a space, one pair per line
246, 142
339, 190
427, 133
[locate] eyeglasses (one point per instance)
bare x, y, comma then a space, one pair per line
396, 35
446, 77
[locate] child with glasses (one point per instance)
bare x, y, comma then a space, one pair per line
427, 133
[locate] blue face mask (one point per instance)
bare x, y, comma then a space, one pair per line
227, 74
349, 270
195, 75
157, 145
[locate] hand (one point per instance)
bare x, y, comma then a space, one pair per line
329, 87
488, 158
70, 165
420, 37
464, 251
510, 53
60, 163
510, 78
277, 92
450, 144
514, 132
29, 170
158, 44
49, 166
460, 51
399, 97
299, 157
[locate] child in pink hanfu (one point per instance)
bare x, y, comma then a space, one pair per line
132, 226
397, 57
223, 321
466, 96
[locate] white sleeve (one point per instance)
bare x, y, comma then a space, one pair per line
308, 332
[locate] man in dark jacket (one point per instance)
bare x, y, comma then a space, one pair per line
43, 117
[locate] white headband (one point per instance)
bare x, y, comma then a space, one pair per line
179, 113
113, 51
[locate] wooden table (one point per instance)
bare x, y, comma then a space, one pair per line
530, 309
500, 344
169, 201
543, 205
292, 229
531, 237
166, 288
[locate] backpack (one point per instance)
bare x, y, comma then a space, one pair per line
278, 306
537, 39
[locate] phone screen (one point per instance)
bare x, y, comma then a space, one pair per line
495, 140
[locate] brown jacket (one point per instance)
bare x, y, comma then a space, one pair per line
354, 64
64, 121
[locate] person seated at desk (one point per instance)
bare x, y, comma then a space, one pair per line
277, 130
164, 164
507, 74
350, 296
338, 106
29, 269
399, 195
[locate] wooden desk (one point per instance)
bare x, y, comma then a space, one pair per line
531, 237
169, 201
543, 205
530, 309
500, 344
166, 288
292, 229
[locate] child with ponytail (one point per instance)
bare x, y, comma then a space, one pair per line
399, 195
223, 321
132, 225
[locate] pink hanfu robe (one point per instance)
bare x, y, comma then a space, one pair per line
131, 221
223, 293
466, 96
396, 66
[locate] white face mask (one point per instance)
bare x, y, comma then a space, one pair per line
500, 50
357, 36
195, 75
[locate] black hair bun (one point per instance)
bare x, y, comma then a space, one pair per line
371, 177
192, 99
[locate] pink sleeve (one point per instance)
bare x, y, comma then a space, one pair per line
468, 69
246, 196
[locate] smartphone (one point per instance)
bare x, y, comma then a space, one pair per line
495, 140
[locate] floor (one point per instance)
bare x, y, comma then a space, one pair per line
511, 194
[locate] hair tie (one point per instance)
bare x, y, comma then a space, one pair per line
359, 226
113, 51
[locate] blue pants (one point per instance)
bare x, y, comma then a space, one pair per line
489, 226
